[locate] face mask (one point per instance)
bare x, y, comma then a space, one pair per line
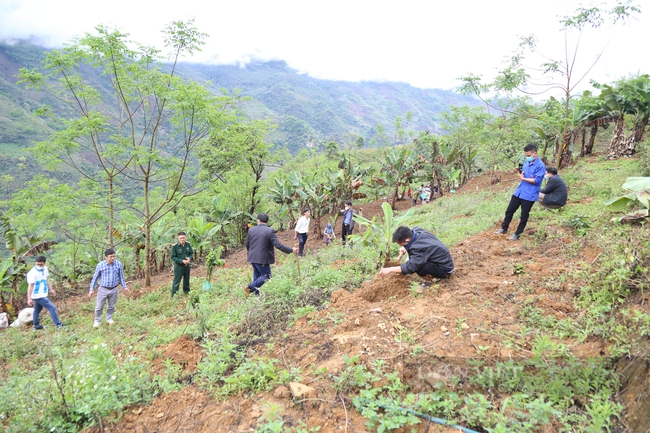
546, 176
40, 268
530, 158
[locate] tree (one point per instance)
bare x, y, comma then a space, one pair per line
465, 126
559, 75
379, 234
380, 138
143, 123
397, 167
627, 96
7, 180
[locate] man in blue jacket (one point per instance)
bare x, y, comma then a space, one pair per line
527, 193
428, 257
260, 242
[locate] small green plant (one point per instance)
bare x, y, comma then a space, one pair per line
271, 418
579, 223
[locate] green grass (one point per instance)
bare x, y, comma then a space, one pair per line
551, 386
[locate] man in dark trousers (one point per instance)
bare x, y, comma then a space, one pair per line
260, 242
428, 257
182, 254
527, 193
348, 221
554, 194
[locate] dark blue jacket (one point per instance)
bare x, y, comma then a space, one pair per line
426, 248
260, 242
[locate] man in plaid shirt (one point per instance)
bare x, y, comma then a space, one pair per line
110, 273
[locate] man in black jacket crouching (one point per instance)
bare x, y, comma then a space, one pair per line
554, 194
428, 257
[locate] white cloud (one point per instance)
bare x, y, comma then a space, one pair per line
425, 43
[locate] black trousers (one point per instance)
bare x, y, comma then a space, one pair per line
515, 203
432, 269
345, 231
302, 240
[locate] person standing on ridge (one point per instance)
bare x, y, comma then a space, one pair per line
182, 254
348, 221
531, 175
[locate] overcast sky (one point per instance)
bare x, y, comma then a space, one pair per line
427, 43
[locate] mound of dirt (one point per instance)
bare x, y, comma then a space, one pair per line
383, 288
183, 351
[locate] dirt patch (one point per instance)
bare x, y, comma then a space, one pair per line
183, 351
383, 288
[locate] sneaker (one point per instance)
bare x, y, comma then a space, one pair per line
514, 237
110, 322
59, 326
247, 291
38, 327
500, 232
96, 325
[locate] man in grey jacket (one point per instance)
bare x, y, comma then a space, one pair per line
554, 194
260, 242
428, 257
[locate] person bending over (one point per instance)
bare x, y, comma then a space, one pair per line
428, 256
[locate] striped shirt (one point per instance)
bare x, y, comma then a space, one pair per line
109, 275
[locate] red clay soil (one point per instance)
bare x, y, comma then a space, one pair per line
386, 319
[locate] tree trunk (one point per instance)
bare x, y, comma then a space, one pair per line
111, 213
563, 157
147, 234
617, 145
392, 204
583, 136
592, 139
639, 130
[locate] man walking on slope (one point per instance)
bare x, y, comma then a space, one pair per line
39, 285
260, 242
302, 230
527, 193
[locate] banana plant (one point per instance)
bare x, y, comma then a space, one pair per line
639, 195
201, 232
379, 233
317, 198
224, 215
284, 193
397, 166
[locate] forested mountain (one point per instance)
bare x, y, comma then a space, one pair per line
307, 111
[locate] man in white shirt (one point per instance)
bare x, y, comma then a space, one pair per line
302, 230
39, 286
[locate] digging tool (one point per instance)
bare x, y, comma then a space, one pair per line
295, 254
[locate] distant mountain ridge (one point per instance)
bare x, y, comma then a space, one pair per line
308, 111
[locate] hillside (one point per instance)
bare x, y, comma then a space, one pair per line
546, 334
308, 111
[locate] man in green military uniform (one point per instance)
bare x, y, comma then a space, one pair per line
182, 254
